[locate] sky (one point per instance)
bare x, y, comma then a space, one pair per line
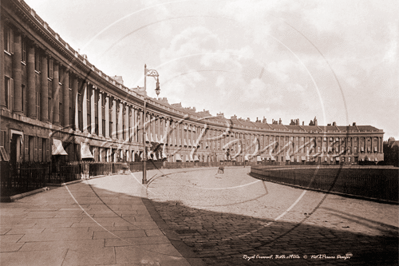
334, 60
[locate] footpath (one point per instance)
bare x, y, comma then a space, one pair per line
101, 221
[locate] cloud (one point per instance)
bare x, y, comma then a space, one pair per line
278, 58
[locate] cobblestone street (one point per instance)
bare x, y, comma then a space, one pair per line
234, 219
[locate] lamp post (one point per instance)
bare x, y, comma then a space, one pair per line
150, 73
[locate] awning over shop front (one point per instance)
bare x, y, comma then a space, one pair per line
196, 158
164, 155
4, 155
177, 156
303, 158
191, 158
57, 148
246, 158
337, 158
152, 156
287, 158
187, 159
85, 151
258, 159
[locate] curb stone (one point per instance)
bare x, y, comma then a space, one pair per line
26, 194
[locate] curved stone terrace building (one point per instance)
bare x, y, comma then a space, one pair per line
55, 102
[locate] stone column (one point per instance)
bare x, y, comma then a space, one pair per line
107, 116
31, 83
165, 130
127, 131
44, 90
156, 132
141, 126
179, 138
162, 129
93, 110
222, 140
150, 124
2, 92
65, 84
132, 124
120, 121
184, 134
76, 101
113, 119
16, 73
56, 94
84, 107
100, 113
174, 132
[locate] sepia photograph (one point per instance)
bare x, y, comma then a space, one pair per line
199, 132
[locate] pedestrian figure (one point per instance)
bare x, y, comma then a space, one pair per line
221, 169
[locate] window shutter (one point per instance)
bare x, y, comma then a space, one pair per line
11, 94
50, 72
2, 138
26, 144
11, 43
35, 155
48, 154
38, 96
40, 153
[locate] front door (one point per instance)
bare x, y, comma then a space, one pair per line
15, 149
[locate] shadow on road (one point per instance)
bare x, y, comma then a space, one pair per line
225, 238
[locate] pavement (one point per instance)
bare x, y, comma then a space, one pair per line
101, 221
195, 217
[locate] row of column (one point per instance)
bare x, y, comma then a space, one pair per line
124, 122
298, 143
33, 93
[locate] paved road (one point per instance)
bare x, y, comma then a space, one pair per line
227, 217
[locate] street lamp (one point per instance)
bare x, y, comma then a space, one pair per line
150, 73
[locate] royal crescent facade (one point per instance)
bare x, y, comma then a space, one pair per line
54, 102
